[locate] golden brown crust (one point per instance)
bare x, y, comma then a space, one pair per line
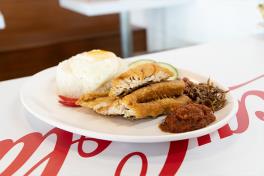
157, 107
138, 77
91, 96
155, 91
155, 99
100, 105
149, 101
102, 91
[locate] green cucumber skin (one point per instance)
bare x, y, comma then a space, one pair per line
141, 61
163, 64
170, 67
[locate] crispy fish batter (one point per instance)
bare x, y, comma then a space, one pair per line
150, 101
154, 108
100, 105
137, 77
155, 99
168, 89
102, 91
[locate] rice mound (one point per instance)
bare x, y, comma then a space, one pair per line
85, 72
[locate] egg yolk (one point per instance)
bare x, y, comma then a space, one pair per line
100, 54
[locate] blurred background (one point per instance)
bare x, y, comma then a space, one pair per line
37, 34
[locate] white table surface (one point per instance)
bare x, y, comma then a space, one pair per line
101, 7
240, 154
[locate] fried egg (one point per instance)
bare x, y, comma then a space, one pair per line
87, 71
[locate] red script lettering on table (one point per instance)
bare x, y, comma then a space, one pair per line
55, 159
176, 153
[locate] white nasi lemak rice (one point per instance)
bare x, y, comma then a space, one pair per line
87, 71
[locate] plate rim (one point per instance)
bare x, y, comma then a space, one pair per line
128, 138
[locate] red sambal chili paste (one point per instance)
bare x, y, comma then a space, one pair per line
188, 118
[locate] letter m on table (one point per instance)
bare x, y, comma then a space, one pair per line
31, 143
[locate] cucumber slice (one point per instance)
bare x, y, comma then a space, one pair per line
171, 68
142, 61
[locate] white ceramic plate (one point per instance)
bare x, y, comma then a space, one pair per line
39, 97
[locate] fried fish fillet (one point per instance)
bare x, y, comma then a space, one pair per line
150, 101
156, 91
102, 91
101, 105
154, 100
137, 77
154, 108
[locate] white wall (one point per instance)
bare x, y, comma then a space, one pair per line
199, 21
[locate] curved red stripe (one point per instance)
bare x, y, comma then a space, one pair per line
245, 83
124, 160
175, 157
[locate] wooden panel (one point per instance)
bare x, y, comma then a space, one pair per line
40, 33
31, 23
26, 62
